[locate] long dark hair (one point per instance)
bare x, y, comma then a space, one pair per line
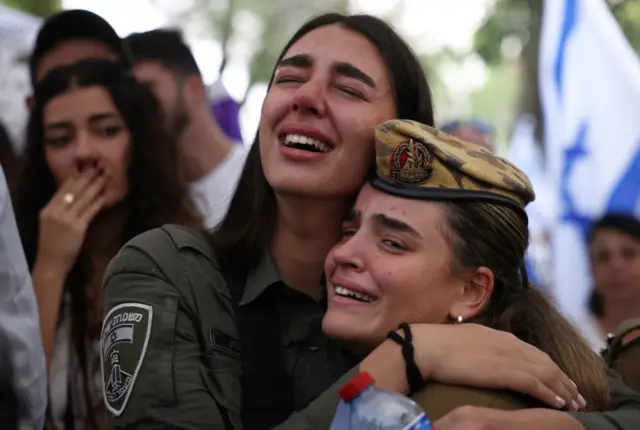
250, 221
496, 236
156, 195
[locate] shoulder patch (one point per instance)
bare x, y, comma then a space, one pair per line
123, 344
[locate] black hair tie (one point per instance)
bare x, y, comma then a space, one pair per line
414, 377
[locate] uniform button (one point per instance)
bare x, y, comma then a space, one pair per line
313, 348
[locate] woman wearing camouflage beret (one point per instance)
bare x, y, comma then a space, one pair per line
438, 236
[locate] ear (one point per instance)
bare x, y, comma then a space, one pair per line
195, 90
474, 295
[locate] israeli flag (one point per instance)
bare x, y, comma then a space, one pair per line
525, 152
590, 91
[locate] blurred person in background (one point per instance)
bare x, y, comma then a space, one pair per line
70, 36
475, 131
614, 253
8, 158
19, 322
99, 169
210, 162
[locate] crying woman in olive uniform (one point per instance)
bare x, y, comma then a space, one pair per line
438, 236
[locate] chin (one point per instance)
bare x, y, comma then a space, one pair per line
112, 200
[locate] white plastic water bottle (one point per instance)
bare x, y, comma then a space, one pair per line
375, 409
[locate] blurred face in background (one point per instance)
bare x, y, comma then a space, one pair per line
468, 134
615, 265
83, 130
170, 92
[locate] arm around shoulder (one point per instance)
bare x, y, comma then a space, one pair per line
150, 346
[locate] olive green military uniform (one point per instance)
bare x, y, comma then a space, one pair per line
623, 352
170, 346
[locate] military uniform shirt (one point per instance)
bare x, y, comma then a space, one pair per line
170, 352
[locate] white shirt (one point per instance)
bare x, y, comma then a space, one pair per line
19, 316
212, 194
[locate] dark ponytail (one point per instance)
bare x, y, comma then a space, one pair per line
495, 236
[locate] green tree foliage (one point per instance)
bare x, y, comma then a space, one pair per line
519, 21
277, 20
41, 8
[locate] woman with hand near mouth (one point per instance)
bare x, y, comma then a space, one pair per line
98, 170
230, 332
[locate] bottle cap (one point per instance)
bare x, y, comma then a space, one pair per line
357, 385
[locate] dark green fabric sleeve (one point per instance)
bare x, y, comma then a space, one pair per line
319, 414
624, 411
168, 389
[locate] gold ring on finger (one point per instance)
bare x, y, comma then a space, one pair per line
68, 198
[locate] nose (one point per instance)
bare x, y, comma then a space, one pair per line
349, 254
86, 153
310, 98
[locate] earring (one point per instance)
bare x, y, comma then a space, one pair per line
459, 320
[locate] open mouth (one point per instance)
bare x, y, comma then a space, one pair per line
305, 143
345, 292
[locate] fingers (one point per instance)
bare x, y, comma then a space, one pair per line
92, 210
87, 197
552, 377
85, 189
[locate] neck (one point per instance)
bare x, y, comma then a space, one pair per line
615, 312
104, 236
203, 146
306, 229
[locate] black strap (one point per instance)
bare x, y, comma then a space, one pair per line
267, 389
414, 377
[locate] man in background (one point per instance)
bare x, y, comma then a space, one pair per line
71, 36
209, 161
19, 318
475, 131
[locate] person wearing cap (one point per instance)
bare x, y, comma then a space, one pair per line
438, 236
70, 36
210, 162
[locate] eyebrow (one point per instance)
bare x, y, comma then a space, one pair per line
304, 61
67, 124
384, 221
395, 224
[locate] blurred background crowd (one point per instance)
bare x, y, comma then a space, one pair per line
504, 73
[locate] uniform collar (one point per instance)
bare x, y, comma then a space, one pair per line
264, 275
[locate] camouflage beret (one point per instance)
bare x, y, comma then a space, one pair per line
417, 161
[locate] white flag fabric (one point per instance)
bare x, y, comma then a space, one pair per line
525, 152
590, 90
